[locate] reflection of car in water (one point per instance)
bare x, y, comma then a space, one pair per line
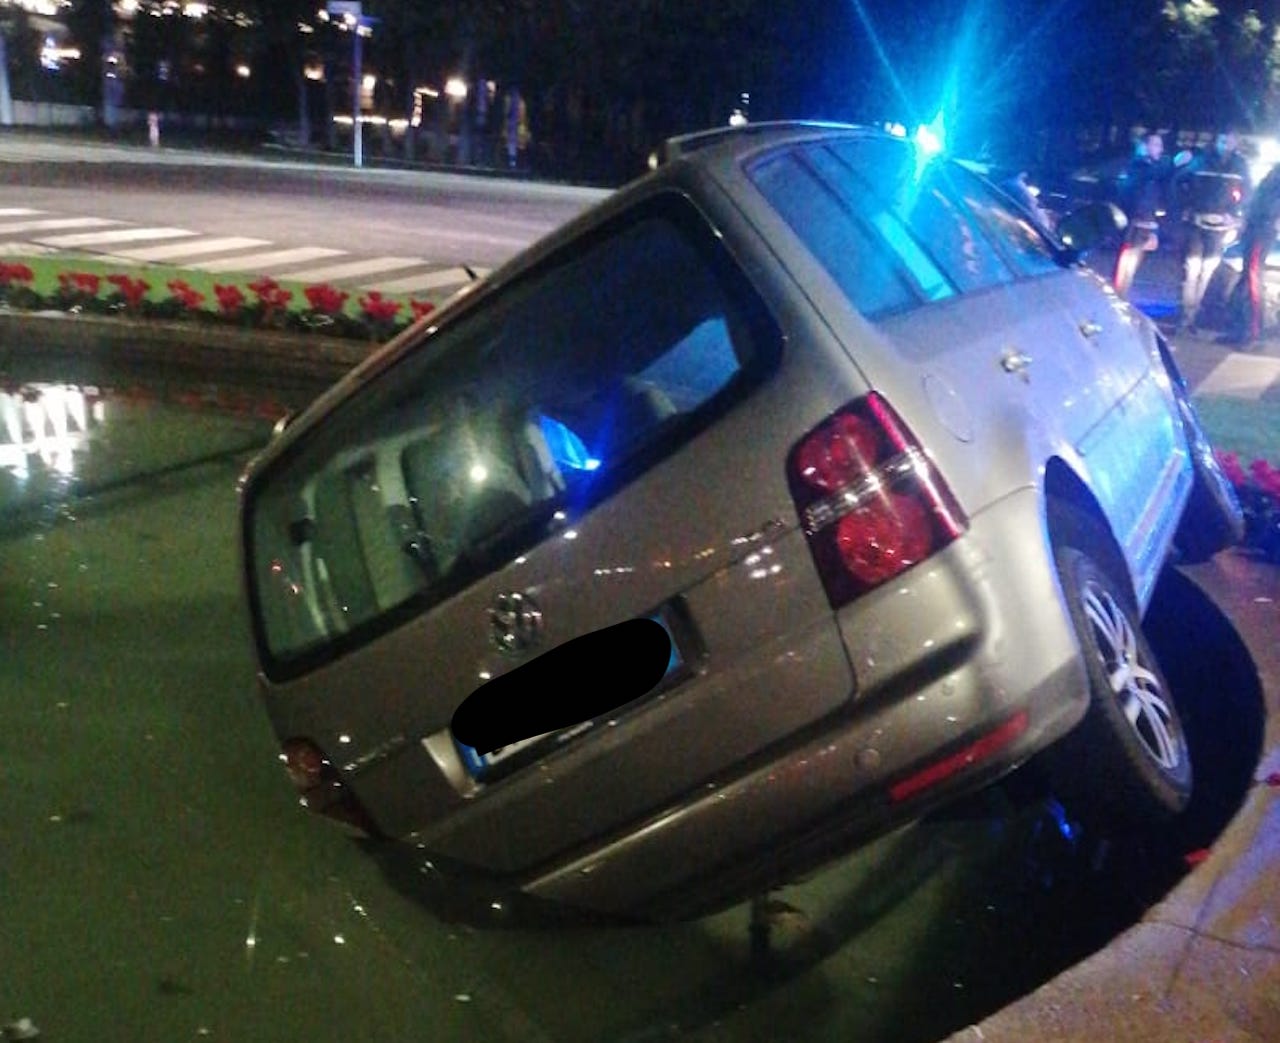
893, 470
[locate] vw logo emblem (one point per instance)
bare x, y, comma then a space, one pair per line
515, 622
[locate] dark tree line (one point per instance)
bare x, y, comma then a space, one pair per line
604, 80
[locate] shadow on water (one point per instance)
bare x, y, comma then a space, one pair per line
941, 924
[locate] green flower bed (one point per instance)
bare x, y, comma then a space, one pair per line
94, 288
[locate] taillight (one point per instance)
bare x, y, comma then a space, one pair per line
871, 502
320, 788
306, 765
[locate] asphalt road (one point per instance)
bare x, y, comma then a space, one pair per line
450, 219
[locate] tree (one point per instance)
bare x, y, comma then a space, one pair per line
286, 35
92, 27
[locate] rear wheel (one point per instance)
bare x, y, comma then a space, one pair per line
1127, 763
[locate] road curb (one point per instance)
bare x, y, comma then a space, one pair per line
1203, 963
168, 347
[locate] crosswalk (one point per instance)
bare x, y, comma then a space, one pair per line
24, 229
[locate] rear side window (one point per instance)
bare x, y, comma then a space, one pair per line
534, 404
920, 197
1022, 244
852, 238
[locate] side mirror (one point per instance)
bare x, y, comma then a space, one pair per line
1083, 229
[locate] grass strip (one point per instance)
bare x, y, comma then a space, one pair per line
1250, 428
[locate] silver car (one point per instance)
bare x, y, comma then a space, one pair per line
892, 470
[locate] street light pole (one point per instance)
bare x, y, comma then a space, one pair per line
357, 80
352, 15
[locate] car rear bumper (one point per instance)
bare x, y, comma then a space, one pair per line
1011, 684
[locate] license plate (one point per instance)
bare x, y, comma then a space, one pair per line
482, 765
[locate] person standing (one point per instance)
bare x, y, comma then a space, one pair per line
1247, 307
1212, 187
1142, 196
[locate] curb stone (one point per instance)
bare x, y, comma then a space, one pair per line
170, 346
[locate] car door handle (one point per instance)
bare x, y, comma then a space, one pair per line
1090, 329
1014, 361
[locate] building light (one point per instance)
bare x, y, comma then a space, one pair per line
48, 8
52, 56
456, 88
370, 81
314, 72
243, 71
195, 10
374, 121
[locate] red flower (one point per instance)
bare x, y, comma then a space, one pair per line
265, 285
1266, 477
1231, 468
230, 298
270, 294
421, 308
185, 294
132, 290
378, 308
15, 273
80, 282
325, 298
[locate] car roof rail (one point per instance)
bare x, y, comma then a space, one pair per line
685, 144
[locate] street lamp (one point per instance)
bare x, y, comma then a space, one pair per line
350, 17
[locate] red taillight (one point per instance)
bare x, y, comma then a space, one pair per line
306, 765
871, 502
322, 791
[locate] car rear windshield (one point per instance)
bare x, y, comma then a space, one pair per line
537, 402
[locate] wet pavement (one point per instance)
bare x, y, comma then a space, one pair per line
158, 880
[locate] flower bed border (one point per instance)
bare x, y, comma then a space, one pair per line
180, 345
376, 317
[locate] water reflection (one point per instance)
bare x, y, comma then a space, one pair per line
44, 425
66, 442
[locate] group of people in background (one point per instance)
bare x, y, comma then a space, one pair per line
1211, 189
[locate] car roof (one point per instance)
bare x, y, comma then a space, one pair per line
739, 140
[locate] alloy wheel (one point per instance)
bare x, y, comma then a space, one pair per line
1137, 688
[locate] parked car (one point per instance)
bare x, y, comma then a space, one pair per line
894, 471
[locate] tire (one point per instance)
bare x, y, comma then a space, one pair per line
1127, 764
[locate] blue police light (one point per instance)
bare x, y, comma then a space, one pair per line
931, 138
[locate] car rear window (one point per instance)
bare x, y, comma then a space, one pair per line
542, 398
